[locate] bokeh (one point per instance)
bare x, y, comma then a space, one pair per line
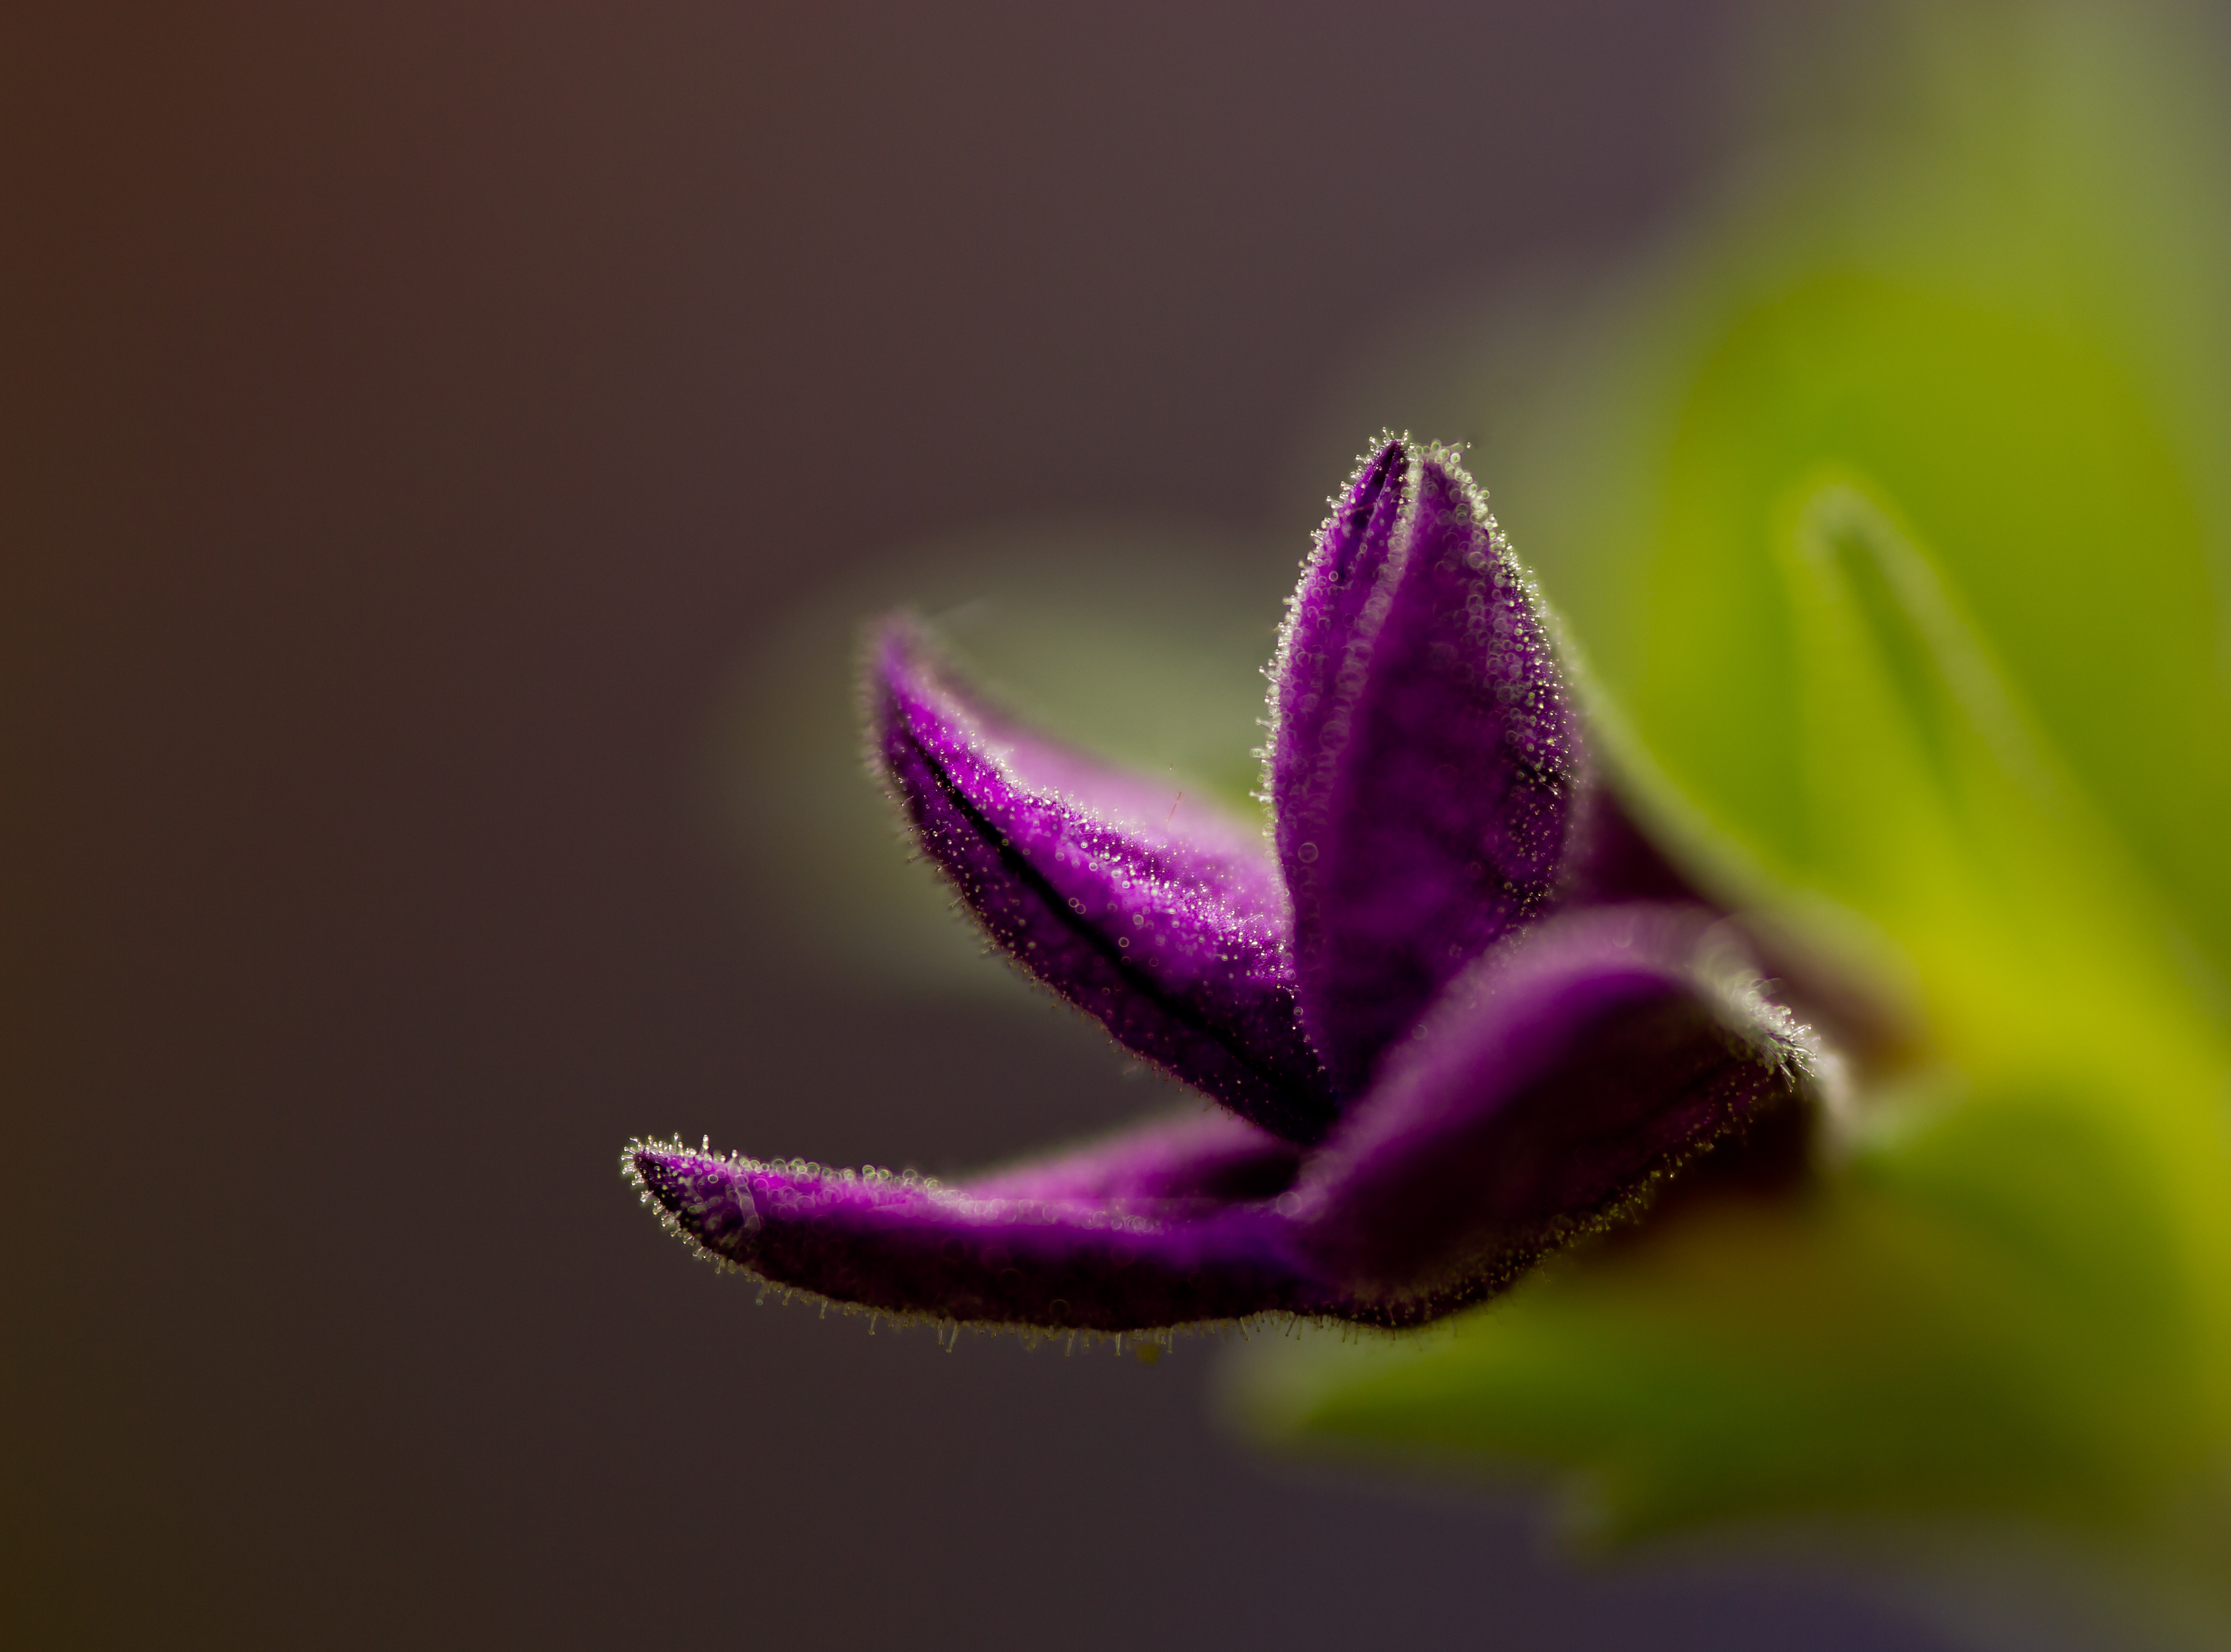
450, 452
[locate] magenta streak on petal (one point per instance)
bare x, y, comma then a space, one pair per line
1173, 931
1210, 1157
1428, 812
905, 1248
1546, 1088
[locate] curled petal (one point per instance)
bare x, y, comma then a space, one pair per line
1425, 762
1559, 1080
1140, 1260
1173, 931
1552, 1085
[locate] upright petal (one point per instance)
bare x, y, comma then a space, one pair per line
1424, 765
1173, 931
1552, 1085
1324, 649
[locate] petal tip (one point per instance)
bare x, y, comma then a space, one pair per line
1425, 755
701, 1199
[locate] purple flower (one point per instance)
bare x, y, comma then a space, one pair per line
1457, 1011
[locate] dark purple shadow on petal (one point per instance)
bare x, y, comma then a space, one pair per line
1174, 933
1549, 1088
906, 1247
1425, 761
1864, 1018
1615, 860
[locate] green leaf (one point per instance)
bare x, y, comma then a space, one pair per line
1926, 798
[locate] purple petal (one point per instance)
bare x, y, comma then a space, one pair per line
1551, 1086
1174, 930
1210, 1157
1324, 650
1425, 762
1138, 1260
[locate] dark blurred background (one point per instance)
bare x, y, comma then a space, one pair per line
411, 412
